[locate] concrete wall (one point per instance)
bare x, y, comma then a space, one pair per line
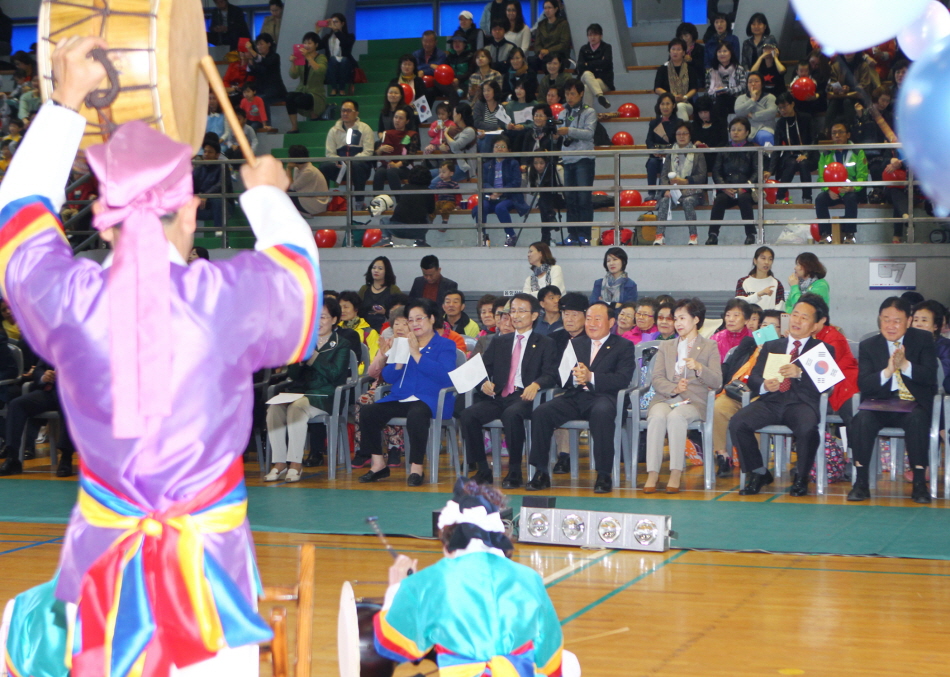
676, 270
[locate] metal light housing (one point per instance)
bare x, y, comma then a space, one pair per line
594, 528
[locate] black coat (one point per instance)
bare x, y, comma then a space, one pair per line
739, 356
736, 167
873, 356
794, 131
613, 367
600, 63
539, 364
267, 79
445, 286
803, 389
236, 23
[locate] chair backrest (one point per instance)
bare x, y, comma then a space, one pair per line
460, 358
639, 350
940, 377
729, 354
17, 357
470, 343
365, 355
354, 367
869, 335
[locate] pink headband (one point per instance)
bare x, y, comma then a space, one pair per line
143, 175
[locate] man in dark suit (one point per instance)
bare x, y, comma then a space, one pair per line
519, 365
431, 285
898, 366
791, 401
590, 393
573, 307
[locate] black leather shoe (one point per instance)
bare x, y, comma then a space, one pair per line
394, 459
29, 454
563, 465
414, 479
723, 466
712, 239
11, 466
755, 483
799, 488
313, 460
540, 481
859, 492
361, 462
750, 239
65, 467
513, 480
603, 485
375, 476
483, 477
921, 492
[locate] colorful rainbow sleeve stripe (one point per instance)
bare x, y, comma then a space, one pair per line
22, 219
155, 598
305, 271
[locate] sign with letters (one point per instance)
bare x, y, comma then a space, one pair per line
895, 273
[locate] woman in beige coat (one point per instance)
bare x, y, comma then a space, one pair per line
686, 372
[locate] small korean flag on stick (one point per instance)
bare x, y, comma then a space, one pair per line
821, 367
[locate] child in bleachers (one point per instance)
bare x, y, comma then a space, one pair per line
253, 106
6, 155
445, 203
14, 133
438, 128
232, 150
545, 172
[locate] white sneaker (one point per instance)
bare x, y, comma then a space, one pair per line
293, 475
659, 240
275, 475
694, 239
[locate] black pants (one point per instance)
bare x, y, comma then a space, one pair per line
298, 100
826, 200
899, 206
360, 171
724, 105
513, 412
723, 202
374, 417
800, 417
788, 167
22, 408
866, 425
387, 175
599, 410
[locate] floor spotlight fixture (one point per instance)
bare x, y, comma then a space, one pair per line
594, 528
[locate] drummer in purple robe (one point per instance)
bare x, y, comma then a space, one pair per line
154, 361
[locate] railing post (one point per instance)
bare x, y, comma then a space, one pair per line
224, 201
616, 192
910, 206
760, 194
480, 221
348, 228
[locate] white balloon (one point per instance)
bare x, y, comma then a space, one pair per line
847, 26
930, 28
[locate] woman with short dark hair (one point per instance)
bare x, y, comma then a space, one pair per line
379, 288
760, 36
544, 269
615, 288
310, 95
808, 278
680, 170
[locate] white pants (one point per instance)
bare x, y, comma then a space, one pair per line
593, 87
287, 429
684, 111
663, 420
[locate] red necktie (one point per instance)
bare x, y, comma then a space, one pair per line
513, 370
786, 384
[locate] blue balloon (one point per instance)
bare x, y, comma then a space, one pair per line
923, 125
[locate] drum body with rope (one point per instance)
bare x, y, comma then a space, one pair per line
356, 645
155, 45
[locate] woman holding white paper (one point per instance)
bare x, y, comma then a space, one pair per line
680, 170
414, 394
686, 372
315, 380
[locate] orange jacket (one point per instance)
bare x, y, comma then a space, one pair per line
845, 389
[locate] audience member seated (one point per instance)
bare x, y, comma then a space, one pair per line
735, 316
695, 56
708, 131
867, 130
42, 397
232, 149
615, 288
644, 317
760, 286
675, 77
431, 285
255, 109
685, 373
310, 95
605, 365
931, 316
519, 366
393, 101
840, 397
735, 168
550, 320
215, 121
660, 137
502, 326
759, 109
407, 73
461, 57
485, 113
517, 32
455, 316
315, 380
545, 172
207, 178
857, 165
305, 178
486, 315
501, 173
236, 76
665, 322
350, 303
414, 395
900, 202
379, 288
791, 129
573, 307
541, 137
595, 67
760, 37
517, 74
498, 47
265, 67
554, 76
427, 58
444, 330
755, 321
446, 203
553, 35
340, 62
681, 169
725, 81
472, 33
897, 377
808, 278
792, 401
518, 102
412, 209
772, 71
481, 75
349, 137
399, 141
227, 26
544, 269
718, 31
851, 79
494, 10
463, 140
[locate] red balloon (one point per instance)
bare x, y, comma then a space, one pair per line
607, 237
626, 236
372, 236
650, 203
771, 194
407, 93
325, 238
337, 204
556, 108
802, 88
835, 172
444, 74
600, 192
815, 232
429, 80
473, 202
630, 198
622, 139
629, 110
894, 174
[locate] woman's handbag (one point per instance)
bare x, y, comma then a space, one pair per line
736, 389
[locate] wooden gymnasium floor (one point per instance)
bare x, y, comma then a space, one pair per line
688, 613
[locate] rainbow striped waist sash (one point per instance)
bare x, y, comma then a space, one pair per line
155, 598
518, 663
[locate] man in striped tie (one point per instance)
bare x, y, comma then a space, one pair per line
897, 377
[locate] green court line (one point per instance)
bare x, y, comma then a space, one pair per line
842, 571
769, 500
580, 569
31, 545
726, 493
616, 591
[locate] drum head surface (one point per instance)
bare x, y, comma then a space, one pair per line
348, 634
182, 86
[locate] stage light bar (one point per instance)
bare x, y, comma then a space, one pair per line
594, 528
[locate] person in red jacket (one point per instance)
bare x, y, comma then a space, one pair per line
840, 398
